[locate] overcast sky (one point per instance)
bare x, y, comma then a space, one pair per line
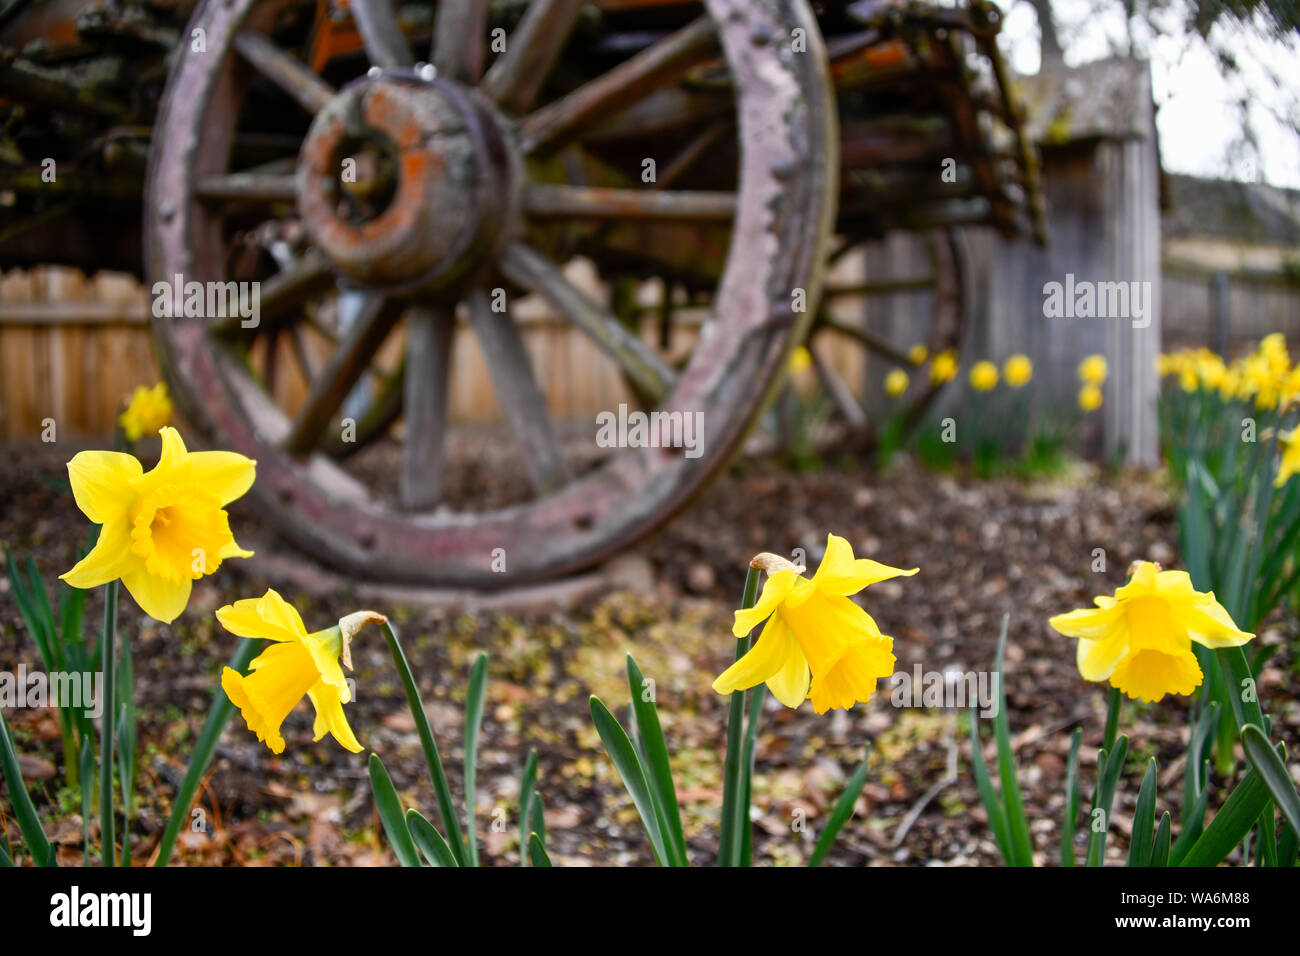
1197, 114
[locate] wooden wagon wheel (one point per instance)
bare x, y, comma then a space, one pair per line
946, 282
451, 225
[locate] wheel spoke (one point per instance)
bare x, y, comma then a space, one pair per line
839, 391
344, 369
544, 200
383, 39
282, 296
537, 274
458, 29
692, 152
873, 342
247, 187
378, 417
521, 398
291, 75
300, 354
516, 77
429, 335
620, 87
880, 287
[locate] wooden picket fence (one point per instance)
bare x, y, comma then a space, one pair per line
73, 347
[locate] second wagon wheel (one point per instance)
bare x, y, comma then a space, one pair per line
440, 215
939, 284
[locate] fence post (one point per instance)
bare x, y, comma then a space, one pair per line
1219, 310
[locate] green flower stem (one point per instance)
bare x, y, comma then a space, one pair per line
107, 663
757, 696
735, 788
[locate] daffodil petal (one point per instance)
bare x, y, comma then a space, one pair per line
160, 598
1091, 624
330, 717
276, 610
108, 559
325, 655
789, 685
1209, 624
227, 474
1144, 580
1097, 659
233, 550
841, 574
173, 448
242, 619
101, 483
770, 653
775, 590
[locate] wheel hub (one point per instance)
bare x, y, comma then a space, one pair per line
403, 181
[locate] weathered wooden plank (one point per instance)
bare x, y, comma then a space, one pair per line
429, 334
522, 402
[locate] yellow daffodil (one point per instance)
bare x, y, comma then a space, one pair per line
1018, 371
1141, 639
800, 361
984, 376
297, 665
896, 382
148, 411
1210, 370
1090, 398
162, 529
1291, 387
1231, 383
1290, 464
1092, 370
1273, 350
817, 643
917, 354
943, 368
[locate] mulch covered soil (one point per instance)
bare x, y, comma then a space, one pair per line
985, 549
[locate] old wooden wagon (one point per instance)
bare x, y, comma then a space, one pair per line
367, 175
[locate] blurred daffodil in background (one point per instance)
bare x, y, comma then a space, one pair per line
1090, 398
1290, 463
1018, 371
162, 529
1264, 375
816, 643
148, 411
896, 382
1093, 370
297, 665
800, 360
1140, 640
984, 376
943, 367
917, 354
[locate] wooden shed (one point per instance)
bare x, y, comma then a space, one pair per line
1095, 129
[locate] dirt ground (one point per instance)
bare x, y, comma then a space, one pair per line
984, 549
